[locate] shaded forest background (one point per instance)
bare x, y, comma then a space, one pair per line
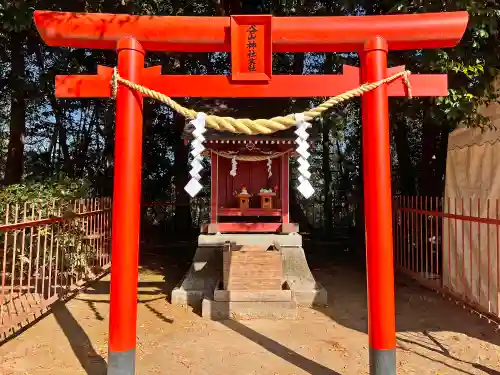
55, 148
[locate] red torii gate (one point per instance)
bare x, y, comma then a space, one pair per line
371, 36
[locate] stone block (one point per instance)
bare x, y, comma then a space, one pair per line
201, 279
300, 280
265, 240
253, 296
221, 310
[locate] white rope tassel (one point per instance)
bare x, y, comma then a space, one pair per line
234, 166
305, 186
193, 187
269, 167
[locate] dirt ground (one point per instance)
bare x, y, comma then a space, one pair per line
434, 335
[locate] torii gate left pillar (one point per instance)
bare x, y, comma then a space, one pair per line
126, 211
371, 36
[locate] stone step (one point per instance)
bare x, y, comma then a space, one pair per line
254, 284
253, 296
244, 310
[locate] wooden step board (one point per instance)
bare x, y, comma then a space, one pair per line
252, 268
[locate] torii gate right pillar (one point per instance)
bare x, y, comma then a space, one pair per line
378, 210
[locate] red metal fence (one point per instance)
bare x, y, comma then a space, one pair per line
453, 246
49, 250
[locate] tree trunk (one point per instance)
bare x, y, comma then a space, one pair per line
80, 159
328, 68
359, 214
61, 133
440, 162
297, 214
427, 172
15, 151
405, 168
182, 222
327, 179
298, 63
108, 113
230, 6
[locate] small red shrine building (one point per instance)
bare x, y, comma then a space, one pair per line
250, 181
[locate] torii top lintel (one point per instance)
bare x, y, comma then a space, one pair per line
251, 39
289, 34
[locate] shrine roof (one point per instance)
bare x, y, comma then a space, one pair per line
284, 136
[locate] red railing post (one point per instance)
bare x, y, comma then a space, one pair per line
378, 211
126, 212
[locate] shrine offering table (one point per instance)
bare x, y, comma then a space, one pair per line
266, 200
244, 200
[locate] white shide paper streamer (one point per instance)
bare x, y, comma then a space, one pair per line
193, 187
305, 186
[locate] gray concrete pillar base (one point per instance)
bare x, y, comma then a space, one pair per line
121, 363
382, 362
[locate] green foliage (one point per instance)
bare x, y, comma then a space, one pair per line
472, 65
16, 15
33, 200
48, 191
36, 250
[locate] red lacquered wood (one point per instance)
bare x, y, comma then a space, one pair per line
444, 215
249, 212
247, 227
218, 86
126, 202
214, 186
285, 187
252, 174
212, 34
378, 202
240, 52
